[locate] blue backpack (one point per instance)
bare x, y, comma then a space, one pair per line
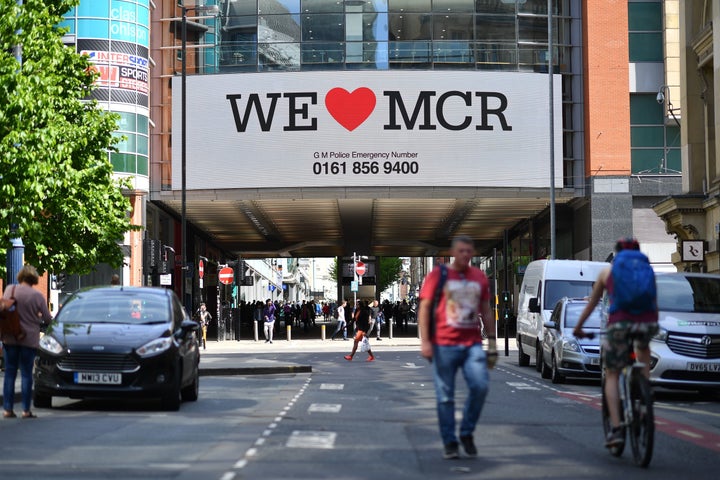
634, 288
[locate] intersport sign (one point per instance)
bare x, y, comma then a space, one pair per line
329, 129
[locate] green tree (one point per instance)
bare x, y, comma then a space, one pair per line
390, 270
57, 190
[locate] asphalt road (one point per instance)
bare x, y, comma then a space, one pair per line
348, 420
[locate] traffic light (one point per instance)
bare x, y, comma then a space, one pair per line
506, 296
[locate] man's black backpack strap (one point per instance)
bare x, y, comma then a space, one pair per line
436, 297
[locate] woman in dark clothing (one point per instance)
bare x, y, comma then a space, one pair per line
362, 324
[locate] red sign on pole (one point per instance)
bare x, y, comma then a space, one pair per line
226, 275
201, 268
360, 268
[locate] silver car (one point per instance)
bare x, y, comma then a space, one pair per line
686, 350
563, 355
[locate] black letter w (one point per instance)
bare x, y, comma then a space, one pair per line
253, 102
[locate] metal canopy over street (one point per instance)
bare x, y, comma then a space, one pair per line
326, 222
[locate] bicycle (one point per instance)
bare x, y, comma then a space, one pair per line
636, 410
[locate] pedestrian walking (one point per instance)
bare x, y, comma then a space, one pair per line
204, 318
379, 322
376, 319
269, 318
19, 351
451, 298
362, 324
341, 324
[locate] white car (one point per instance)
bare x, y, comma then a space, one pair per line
686, 350
563, 355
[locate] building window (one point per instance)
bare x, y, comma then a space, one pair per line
655, 147
645, 31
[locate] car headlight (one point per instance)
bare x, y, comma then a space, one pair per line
155, 347
570, 344
50, 345
661, 335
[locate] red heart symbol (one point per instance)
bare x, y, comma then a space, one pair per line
350, 109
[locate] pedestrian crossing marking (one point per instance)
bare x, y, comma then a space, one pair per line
311, 439
324, 408
332, 386
522, 386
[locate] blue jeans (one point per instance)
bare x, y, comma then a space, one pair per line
340, 326
446, 362
18, 356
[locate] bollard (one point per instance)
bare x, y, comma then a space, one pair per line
322, 332
390, 326
255, 330
289, 332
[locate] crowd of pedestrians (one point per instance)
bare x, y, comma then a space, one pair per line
272, 317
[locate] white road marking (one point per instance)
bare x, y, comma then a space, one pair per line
522, 386
332, 386
311, 439
325, 408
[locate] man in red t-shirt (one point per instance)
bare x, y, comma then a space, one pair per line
454, 341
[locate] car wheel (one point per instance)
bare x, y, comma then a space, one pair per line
523, 358
538, 357
555, 375
545, 371
41, 400
192, 391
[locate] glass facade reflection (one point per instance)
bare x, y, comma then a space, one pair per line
298, 35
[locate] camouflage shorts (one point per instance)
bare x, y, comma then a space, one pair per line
616, 347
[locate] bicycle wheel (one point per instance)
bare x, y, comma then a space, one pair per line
607, 425
642, 430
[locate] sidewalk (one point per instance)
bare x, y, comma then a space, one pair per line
225, 358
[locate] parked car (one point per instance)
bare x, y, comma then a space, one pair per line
119, 342
544, 283
686, 351
563, 355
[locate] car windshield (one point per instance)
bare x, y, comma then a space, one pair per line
557, 289
114, 307
679, 293
573, 311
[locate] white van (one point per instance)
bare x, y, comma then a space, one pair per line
545, 282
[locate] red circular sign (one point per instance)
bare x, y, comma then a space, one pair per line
360, 268
201, 269
226, 275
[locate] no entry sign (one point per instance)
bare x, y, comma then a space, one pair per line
226, 275
360, 268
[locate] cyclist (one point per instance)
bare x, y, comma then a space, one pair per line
615, 344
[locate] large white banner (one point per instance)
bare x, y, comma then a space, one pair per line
367, 128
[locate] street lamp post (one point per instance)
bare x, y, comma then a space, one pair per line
213, 9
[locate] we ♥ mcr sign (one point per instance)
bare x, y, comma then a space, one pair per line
381, 128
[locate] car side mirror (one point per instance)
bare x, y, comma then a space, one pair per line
188, 326
550, 324
534, 305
